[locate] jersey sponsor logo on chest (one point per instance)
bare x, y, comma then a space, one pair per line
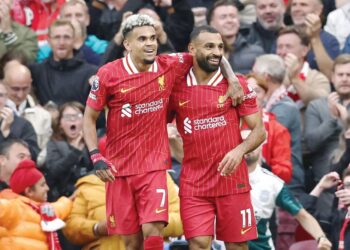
203, 124
128, 110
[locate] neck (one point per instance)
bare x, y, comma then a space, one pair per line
346, 102
202, 76
230, 39
271, 88
141, 66
252, 167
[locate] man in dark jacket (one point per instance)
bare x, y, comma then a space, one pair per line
63, 76
269, 14
223, 16
11, 153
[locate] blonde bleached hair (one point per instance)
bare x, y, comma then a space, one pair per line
137, 20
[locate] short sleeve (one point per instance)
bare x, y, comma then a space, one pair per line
248, 106
287, 201
98, 93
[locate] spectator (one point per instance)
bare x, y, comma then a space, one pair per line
223, 16
67, 157
15, 37
303, 84
338, 22
18, 82
13, 126
341, 215
273, 71
341, 157
268, 191
39, 15
63, 77
28, 220
324, 46
77, 10
264, 31
322, 119
11, 153
276, 150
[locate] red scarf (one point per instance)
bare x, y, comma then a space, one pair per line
342, 232
47, 214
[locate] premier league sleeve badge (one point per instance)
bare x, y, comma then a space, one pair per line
94, 82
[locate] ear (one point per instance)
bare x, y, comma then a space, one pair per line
127, 45
28, 192
305, 50
319, 9
88, 20
191, 48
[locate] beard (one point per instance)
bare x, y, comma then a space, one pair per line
146, 61
203, 63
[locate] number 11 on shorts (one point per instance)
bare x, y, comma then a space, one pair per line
246, 217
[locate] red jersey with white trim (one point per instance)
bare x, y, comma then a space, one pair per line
137, 140
209, 131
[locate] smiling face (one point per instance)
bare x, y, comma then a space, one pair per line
226, 20
38, 192
300, 8
207, 49
142, 44
71, 122
270, 13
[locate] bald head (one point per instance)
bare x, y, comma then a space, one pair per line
18, 81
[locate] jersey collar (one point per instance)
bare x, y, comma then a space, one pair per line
131, 68
214, 81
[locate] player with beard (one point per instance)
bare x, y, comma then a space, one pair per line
136, 90
214, 180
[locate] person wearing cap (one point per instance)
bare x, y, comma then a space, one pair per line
27, 220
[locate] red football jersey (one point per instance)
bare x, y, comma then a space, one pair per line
137, 140
209, 130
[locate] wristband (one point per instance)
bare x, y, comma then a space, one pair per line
94, 151
94, 229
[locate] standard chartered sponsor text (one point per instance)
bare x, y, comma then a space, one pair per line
208, 123
148, 107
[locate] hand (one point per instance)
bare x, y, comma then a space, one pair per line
332, 100
235, 91
324, 244
7, 116
163, 3
313, 25
161, 35
118, 38
100, 228
342, 111
329, 180
344, 196
172, 131
231, 161
293, 65
103, 168
5, 18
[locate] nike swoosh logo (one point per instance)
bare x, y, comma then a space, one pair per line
243, 231
158, 211
183, 103
126, 90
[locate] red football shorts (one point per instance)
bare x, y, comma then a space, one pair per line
233, 216
135, 200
